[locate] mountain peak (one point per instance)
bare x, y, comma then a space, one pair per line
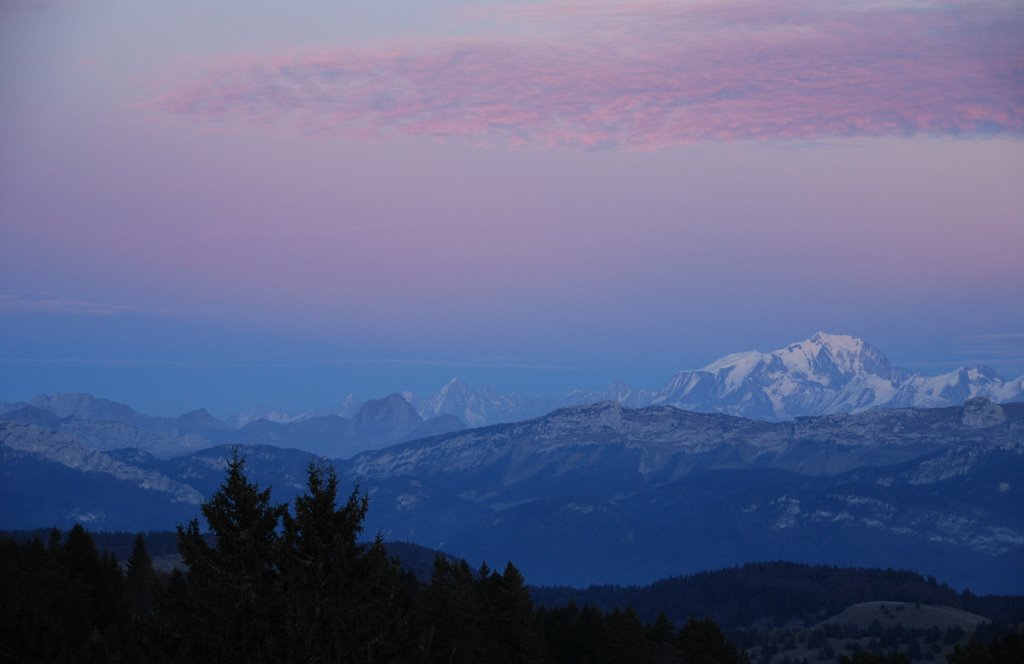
387, 414
982, 372
84, 406
200, 415
840, 354
836, 345
840, 342
201, 419
454, 386
393, 400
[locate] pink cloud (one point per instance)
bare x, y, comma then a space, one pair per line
649, 75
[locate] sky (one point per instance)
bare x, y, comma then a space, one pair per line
241, 205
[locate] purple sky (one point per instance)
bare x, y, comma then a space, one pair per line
224, 205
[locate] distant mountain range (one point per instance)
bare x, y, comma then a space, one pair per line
107, 425
604, 493
823, 375
828, 373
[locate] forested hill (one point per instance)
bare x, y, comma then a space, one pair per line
780, 593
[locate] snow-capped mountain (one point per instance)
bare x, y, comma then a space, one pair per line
347, 407
479, 407
958, 386
484, 406
626, 395
828, 373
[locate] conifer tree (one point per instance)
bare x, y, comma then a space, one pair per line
341, 598
455, 615
624, 639
235, 616
518, 635
703, 642
140, 579
83, 571
135, 633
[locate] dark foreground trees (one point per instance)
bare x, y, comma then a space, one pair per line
271, 585
232, 608
277, 587
1001, 649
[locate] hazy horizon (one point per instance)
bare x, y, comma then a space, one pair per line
332, 401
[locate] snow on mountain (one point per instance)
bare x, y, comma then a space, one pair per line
239, 420
347, 407
828, 373
350, 405
957, 386
485, 406
478, 407
825, 374
626, 395
71, 453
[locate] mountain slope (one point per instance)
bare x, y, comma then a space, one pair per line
632, 448
49, 478
629, 495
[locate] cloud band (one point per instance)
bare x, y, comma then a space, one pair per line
651, 75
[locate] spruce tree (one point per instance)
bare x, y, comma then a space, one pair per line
135, 635
703, 642
141, 582
235, 616
455, 615
341, 599
518, 635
